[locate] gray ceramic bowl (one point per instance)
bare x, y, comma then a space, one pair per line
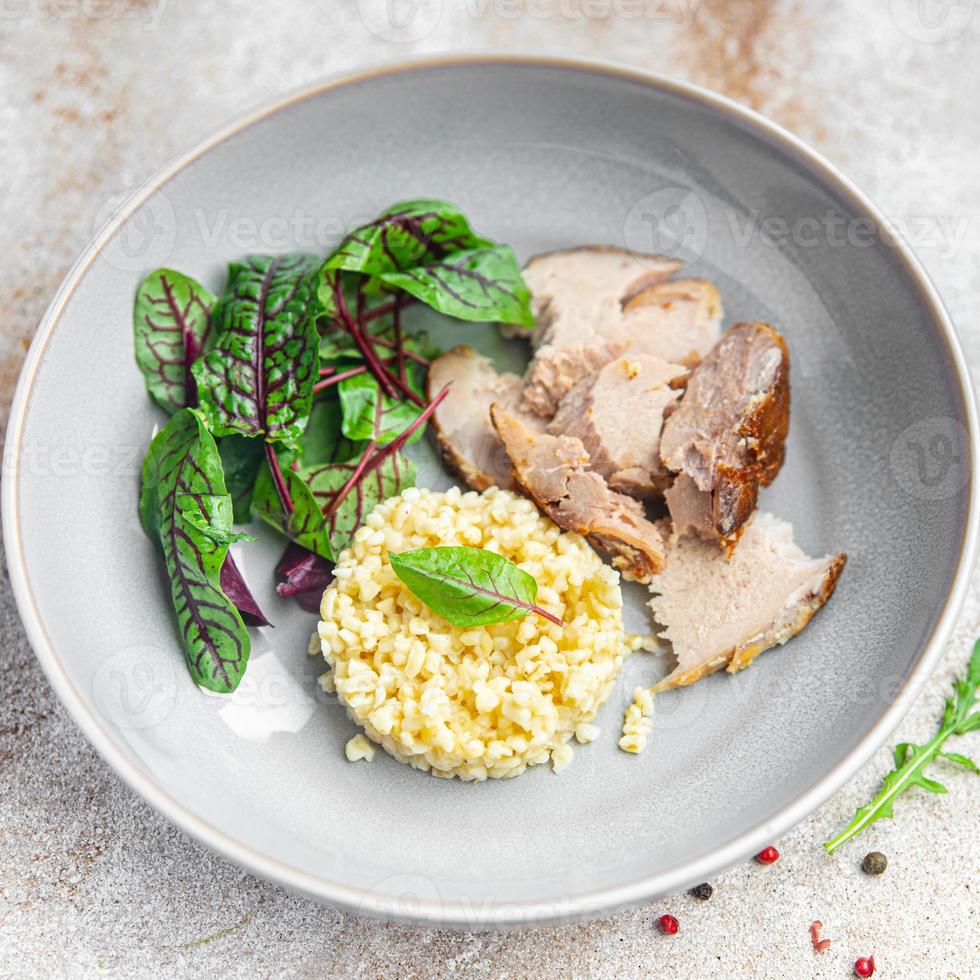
541, 154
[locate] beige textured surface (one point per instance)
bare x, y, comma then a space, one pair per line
94, 95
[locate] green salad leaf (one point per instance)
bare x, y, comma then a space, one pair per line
345, 514
172, 328
241, 459
186, 511
368, 413
305, 523
911, 760
478, 284
469, 586
405, 235
258, 378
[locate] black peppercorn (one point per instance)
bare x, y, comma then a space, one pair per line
704, 891
874, 863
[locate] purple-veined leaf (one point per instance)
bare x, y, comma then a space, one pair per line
393, 474
241, 459
368, 414
171, 327
305, 524
479, 285
324, 441
234, 586
181, 472
469, 586
304, 575
405, 235
258, 378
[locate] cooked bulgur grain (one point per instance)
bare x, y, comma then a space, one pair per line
473, 703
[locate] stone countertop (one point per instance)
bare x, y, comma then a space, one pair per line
94, 96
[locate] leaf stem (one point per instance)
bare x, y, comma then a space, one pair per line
366, 349
278, 479
399, 345
410, 354
374, 455
333, 379
352, 480
385, 308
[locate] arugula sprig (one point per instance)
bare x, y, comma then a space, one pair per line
911, 760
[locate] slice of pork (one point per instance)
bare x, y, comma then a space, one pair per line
679, 320
554, 472
577, 297
618, 413
723, 612
466, 436
727, 436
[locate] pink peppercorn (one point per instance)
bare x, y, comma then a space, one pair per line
865, 966
667, 924
768, 855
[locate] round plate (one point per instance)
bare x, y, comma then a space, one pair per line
541, 154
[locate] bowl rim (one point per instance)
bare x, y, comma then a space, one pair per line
461, 913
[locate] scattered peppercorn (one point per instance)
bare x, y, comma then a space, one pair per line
667, 924
704, 891
768, 855
865, 966
874, 863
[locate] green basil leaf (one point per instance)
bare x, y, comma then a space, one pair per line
480, 285
305, 525
370, 414
403, 236
469, 586
182, 473
258, 379
171, 326
241, 459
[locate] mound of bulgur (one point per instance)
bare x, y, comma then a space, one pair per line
473, 703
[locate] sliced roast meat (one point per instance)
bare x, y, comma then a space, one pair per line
467, 438
578, 296
679, 320
723, 612
726, 438
554, 472
618, 414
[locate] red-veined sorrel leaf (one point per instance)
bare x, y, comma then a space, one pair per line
305, 523
304, 576
393, 474
469, 586
480, 284
258, 379
234, 586
185, 509
171, 326
370, 414
407, 234
324, 441
241, 459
